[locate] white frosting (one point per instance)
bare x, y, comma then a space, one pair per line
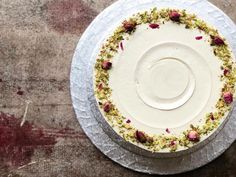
165, 78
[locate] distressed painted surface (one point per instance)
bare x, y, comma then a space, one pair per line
37, 41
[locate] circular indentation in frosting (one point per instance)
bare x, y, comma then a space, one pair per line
169, 78
165, 83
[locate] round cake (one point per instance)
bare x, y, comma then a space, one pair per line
165, 80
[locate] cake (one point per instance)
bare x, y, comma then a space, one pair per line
164, 80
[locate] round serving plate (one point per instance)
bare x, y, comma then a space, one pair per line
90, 118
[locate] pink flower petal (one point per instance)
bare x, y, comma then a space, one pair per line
198, 37
100, 86
121, 46
154, 26
172, 143
167, 130
128, 121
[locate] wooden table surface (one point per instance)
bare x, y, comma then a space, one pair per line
39, 133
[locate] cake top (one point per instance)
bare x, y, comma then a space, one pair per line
177, 21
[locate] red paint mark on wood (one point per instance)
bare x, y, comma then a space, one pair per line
60, 88
18, 143
69, 16
64, 133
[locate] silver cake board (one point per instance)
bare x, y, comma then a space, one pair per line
86, 108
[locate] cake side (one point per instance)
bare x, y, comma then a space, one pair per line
175, 139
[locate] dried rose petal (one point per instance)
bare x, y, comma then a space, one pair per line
212, 117
168, 130
216, 40
193, 136
154, 26
228, 97
106, 65
174, 16
121, 46
129, 25
226, 72
172, 143
107, 106
198, 37
128, 121
140, 136
100, 86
